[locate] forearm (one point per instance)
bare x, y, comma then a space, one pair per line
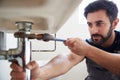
58, 66
107, 60
52, 70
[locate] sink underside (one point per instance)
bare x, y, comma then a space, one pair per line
47, 15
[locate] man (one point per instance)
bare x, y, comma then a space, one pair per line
101, 51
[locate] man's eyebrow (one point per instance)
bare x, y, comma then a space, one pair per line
99, 21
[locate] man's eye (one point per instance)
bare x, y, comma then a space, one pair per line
99, 24
89, 24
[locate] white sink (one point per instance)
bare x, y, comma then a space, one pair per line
47, 15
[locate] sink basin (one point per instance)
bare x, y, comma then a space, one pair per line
47, 15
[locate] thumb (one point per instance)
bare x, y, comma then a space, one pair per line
32, 65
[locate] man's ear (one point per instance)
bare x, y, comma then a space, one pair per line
115, 23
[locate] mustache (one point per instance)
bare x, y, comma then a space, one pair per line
94, 35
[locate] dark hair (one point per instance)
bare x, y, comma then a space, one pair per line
110, 8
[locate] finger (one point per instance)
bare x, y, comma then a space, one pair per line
69, 41
16, 74
18, 78
35, 73
16, 67
32, 65
35, 69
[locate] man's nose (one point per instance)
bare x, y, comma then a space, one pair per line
94, 30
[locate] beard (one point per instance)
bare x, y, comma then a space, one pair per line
101, 39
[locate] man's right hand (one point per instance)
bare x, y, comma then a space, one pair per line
17, 72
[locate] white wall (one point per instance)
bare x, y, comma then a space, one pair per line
4, 70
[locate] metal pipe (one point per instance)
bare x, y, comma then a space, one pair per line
22, 54
11, 52
44, 37
25, 27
